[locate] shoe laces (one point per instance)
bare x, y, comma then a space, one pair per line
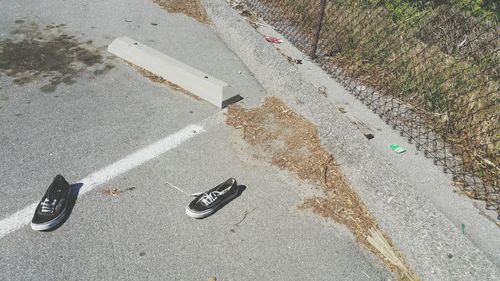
48, 206
209, 198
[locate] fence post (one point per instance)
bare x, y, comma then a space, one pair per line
315, 40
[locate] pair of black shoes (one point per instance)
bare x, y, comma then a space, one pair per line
52, 209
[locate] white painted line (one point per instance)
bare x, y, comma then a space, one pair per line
23, 217
198, 83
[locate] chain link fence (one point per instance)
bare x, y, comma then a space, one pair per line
429, 68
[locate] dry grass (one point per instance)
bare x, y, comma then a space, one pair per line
157, 79
192, 8
378, 240
291, 142
288, 58
115, 192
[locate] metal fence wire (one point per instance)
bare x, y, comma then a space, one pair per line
429, 68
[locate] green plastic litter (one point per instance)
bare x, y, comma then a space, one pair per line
462, 226
396, 148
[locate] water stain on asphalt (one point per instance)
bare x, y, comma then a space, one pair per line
33, 53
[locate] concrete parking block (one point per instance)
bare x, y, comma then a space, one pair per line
195, 81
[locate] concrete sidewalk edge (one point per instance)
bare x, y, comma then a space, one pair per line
434, 248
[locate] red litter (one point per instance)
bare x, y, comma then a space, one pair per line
273, 39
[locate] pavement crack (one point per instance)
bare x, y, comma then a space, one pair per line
245, 214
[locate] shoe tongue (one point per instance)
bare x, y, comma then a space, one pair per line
54, 195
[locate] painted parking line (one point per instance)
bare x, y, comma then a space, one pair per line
23, 217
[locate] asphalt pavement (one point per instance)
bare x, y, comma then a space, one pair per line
99, 113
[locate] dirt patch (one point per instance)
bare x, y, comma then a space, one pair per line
192, 8
158, 79
32, 53
290, 142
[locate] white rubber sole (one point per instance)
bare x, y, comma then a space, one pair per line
199, 215
50, 224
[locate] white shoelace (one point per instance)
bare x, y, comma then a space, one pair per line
47, 206
209, 198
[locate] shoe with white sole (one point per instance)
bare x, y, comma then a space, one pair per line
52, 208
208, 202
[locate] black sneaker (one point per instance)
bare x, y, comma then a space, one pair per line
208, 202
52, 208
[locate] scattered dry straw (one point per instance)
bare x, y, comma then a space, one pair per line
378, 240
158, 79
192, 8
115, 192
291, 142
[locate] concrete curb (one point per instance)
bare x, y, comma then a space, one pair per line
197, 82
435, 249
